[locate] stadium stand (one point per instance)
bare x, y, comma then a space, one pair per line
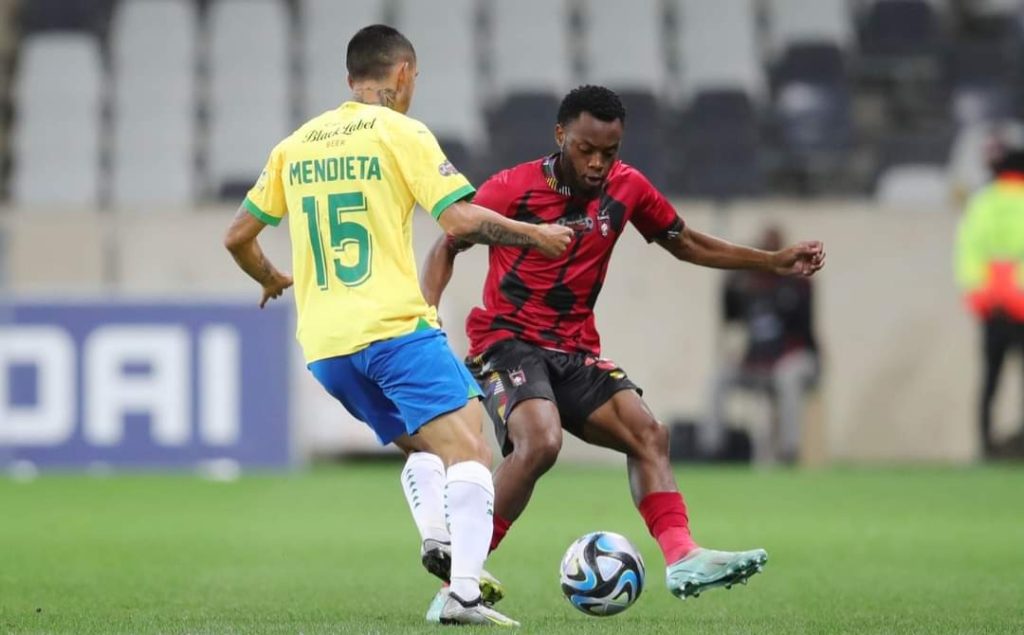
639, 73
65, 15
828, 83
914, 169
528, 81
153, 62
448, 97
811, 113
249, 90
720, 147
327, 26
57, 123
719, 47
793, 22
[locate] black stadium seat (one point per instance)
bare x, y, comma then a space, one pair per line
900, 28
65, 15
812, 112
644, 141
719, 155
522, 128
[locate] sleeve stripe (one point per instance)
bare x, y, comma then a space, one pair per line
676, 228
260, 214
446, 202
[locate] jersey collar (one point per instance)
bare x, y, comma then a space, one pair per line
551, 175
1011, 177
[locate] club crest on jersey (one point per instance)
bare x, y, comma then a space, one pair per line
447, 169
605, 221
517, 377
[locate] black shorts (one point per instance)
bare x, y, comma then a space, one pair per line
511, 372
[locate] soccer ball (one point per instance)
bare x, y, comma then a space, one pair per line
602, 574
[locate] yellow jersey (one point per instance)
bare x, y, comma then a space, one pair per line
351, 178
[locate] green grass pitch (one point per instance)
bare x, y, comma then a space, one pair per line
923, 550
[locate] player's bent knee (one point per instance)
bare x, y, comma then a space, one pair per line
652, 439
540, 451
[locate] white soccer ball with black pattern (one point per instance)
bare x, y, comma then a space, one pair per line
602, 574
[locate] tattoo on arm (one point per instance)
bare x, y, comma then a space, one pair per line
491, 233
264, 270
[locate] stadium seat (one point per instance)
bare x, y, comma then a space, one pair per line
539, 61
529, 80
814, 120
925, 147
719, 140
913, 168
797, 21
65, 15
900, 58
57, 121
327, 26
640, 67
523, 129
812, 112
899, 29
914, 187
153, 45
643, 145
448, 96
639, 73
985, 77
810, 62
719, 48
250, 107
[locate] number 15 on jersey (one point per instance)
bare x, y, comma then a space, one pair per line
349, 238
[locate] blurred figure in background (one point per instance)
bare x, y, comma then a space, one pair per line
781, 356
990, 271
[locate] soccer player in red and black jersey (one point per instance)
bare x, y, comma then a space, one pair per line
534, 347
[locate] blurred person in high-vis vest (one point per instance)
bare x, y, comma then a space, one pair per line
990, 271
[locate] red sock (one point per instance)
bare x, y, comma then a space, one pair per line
665, 515
500, 529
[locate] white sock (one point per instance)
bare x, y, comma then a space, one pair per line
469, 505
423, 484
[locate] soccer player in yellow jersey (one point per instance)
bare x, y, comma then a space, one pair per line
348, 181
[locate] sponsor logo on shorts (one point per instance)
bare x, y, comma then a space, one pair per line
494, 385
447, 169
601, 363
517, 377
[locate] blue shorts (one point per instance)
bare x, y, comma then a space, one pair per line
396, 386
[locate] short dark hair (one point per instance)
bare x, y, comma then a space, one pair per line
1009, 161
599, 101
374, 50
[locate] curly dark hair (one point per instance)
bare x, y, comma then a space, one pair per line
599, 101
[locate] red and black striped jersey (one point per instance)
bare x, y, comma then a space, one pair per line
550, 302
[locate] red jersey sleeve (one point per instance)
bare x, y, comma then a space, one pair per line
654, 217
497, 194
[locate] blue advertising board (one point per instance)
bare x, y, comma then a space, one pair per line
144, 384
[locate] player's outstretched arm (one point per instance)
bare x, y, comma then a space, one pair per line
476, 224
803, 259
240, 240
